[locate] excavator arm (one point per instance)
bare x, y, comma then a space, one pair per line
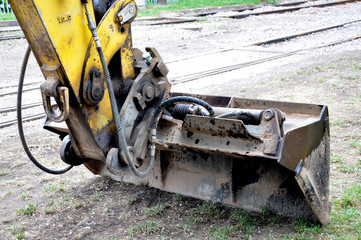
123, 122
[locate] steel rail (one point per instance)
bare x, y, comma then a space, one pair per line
207, 73
2, 38
25, 119
242, 9
25, 90
25, 106
195, 76
10, 29
240, 16
282, 39
25, 84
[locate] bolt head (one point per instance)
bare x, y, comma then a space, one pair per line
268, 115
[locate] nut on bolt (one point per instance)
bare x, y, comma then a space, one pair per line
147, 58
268, 114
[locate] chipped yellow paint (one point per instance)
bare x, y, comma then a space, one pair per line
113, 37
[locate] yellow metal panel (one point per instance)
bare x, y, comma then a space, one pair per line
113, 37
66, 23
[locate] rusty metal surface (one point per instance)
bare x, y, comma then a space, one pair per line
226, 161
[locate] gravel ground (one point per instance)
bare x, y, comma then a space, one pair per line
79, 205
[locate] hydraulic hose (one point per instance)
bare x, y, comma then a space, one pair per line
116, 116
20, 120
166, 103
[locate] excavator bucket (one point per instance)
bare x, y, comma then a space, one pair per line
276, 158
123, 122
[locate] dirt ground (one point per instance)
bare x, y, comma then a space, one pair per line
80, 205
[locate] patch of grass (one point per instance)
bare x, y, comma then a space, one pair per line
30, 209
220, 233
7, 16
50, 210
97, 196
354, 144
356, 67
4, 172
17, 183
336, 159
52, 188
154, 211
180, 198
132, 199
347, 168
246, 223
18, 231
155, 9
352, 196
25, 196
207, 210
185, 227
147, 227
78, 204
9, 192
109, 238
304, 226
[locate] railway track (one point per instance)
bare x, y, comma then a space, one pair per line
190, 77
199, 16
201, 74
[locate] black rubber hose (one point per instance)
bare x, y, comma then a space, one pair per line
172, 100
166, 103
20, 120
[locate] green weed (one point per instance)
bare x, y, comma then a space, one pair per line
132, 199
354, 144
52, 188
78, 204
30, 209
18, 231
352, 196
221, 233
4, 172
246, 223
7, 16
356, 67
336, 159
147, 227
154, 211
25, 196
180, 198
207, 210
97, 196
347, 168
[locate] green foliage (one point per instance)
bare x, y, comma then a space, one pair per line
132, 199
52, 188
155, 10
221, 233
154, 211
30, 209
7, 16
18, 231
336, 159
147, 227
352, 196
4, 172
207, 210
246, 223
180, 198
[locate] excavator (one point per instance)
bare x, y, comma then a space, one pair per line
113, 109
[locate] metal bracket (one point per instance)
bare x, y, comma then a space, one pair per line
127, 13
50, 88
94, 88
